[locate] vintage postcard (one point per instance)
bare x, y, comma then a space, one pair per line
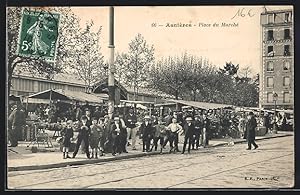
150, 97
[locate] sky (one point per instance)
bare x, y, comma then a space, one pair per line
239, 43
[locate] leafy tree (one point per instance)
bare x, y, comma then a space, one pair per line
229, 69
192, 78
137, 62
121, 64
169, 75
88, 60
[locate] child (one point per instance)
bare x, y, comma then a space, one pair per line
101, 125
159, 135
94, 137
67, 133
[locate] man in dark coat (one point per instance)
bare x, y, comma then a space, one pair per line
189, 131
123, 135
146, 130
17, 121
250, 131
115, 132
97, 113
266, 121
198, 129
205, 130
83, 136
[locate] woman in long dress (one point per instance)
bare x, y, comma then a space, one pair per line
38, 45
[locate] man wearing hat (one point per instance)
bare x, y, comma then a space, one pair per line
189, 132
205, 129
146, 130
198, 129
130, 122
116, 129
250, 131
159, 135
174, 128
83, 136
17, 121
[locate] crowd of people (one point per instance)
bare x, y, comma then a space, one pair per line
97, 134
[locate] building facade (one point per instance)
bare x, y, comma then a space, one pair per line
24, 84
277, 71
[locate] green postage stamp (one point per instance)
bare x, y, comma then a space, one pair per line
38, 34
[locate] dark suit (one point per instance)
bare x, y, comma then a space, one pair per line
189, 131
17, 120
205, 129
83, 136
198, 129
147, 132
250, 132
88, 124
116, 138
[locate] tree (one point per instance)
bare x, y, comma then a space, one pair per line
179, 76
137, 62
229, 69
68, 27
88, 60
121, 64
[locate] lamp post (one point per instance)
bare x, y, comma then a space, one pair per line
111, 66
275, 96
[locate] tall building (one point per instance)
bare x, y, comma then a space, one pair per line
277, 71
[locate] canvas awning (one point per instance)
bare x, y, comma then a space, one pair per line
69, 96
201, 105
135, 102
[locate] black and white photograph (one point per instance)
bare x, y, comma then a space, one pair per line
150, 97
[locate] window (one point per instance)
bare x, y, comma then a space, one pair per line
270, 82
286, 97
270, 18
286, 50
287, 34
270, 66
286, 81
287, 17
269, 97
270, 35
270, 51
286, 65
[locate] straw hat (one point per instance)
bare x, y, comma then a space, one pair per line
147, 117
189, 118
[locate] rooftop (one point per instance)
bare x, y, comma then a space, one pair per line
60, 77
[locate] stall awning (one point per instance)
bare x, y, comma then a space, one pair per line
201, 105
14, 98
136, 102
67, 95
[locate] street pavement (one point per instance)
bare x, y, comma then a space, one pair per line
21, 158
269, 166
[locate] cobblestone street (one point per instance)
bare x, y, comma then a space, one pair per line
270, 166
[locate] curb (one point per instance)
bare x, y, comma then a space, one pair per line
91, 161
244, 141
81, 162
